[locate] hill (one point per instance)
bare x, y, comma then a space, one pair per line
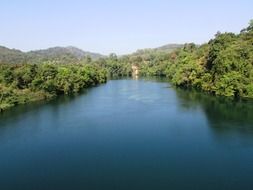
59, 51
11, 55
57, 54
169, 47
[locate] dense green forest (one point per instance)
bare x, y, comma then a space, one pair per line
223, 66
22, 83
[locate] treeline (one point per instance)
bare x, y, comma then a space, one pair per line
22, 83
115, 67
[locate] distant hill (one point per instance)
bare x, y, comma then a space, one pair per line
59, 54
169, 47
67, 54
163, 49
11, 55
70, 50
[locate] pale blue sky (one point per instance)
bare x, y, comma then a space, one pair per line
118, 26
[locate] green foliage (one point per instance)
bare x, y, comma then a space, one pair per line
24, 83
116, 67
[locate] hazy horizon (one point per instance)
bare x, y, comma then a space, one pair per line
119, 27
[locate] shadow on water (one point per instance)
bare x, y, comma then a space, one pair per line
224, 115
19, 111
155, 79
143, 78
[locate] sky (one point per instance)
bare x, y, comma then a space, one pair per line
117, 26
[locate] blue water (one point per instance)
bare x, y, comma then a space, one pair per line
128, 134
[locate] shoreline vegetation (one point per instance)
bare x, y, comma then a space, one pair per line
23, 83
223, 66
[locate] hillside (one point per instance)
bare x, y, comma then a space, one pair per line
11, 55
169, 47
59, 51
57, 54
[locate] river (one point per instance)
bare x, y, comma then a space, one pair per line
128, 135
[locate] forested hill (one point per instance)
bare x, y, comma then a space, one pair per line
11, 55
64, 51
68, 54
169, 47
44, 74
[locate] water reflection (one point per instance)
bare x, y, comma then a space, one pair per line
36, 108
224, 115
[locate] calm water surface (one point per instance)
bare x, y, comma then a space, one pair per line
128, 135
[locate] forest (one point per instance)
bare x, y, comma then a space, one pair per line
22, 83
223, 66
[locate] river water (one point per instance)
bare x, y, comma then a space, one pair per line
126, 135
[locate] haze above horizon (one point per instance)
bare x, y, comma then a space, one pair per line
117, 26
